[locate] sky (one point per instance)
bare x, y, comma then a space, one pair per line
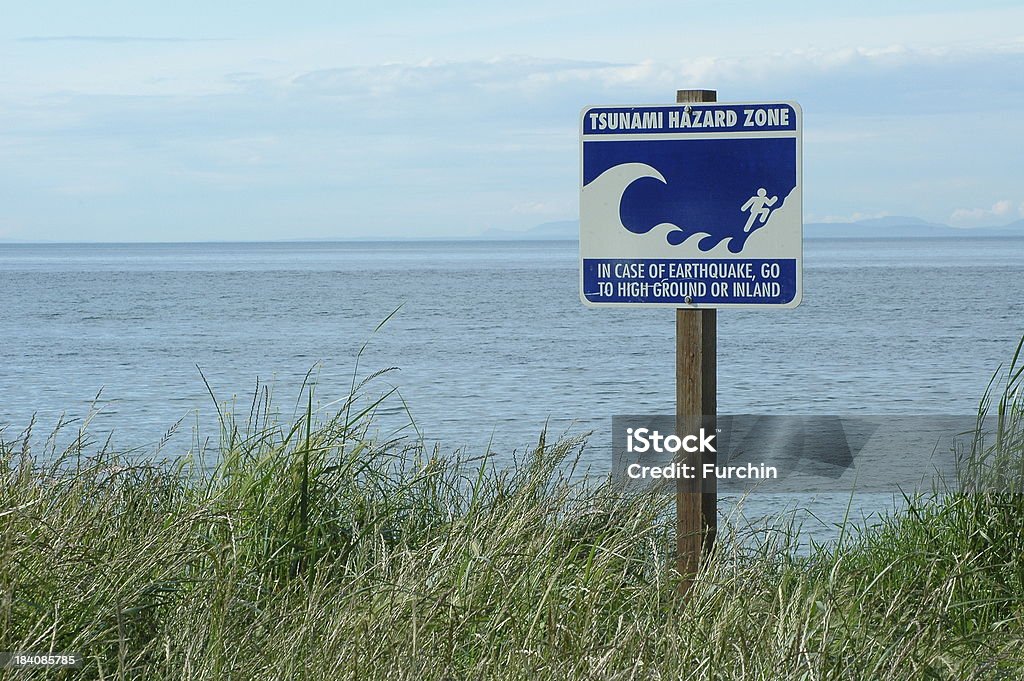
156, 121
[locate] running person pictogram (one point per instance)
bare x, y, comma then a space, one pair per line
759, 206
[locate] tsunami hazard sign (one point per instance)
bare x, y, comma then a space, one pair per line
691, 205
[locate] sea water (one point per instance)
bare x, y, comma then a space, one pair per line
487, 342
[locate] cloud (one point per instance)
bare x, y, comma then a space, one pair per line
90, 186
559, 207
486, 140
998, 213
894, 79
531, 92
114, 39
854, 217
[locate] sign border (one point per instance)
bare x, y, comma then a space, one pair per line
797, 132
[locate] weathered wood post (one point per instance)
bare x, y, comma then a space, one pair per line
696, 405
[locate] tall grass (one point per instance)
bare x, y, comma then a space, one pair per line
315, 550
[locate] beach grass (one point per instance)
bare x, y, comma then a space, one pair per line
314, 549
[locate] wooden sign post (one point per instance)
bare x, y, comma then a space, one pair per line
695, 207
696, 406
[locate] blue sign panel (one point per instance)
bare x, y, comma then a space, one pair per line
691, 206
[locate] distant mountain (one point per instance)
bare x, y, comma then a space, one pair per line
562, 229
899, 227
897, 221
888, 227
549, 231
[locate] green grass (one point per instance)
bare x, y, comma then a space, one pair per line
316, 551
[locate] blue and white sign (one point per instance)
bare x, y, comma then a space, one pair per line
691, 205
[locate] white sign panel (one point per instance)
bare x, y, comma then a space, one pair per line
691, 205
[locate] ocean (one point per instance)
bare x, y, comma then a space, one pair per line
487, 342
